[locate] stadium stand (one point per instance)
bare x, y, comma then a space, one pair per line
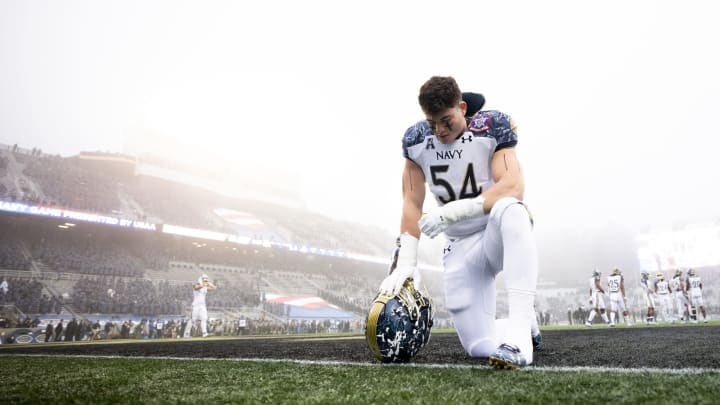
87, 269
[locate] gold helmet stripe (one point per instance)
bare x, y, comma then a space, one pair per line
371, 327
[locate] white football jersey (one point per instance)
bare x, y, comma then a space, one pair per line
661, 287
613, 283
676, 283
460, 169
199, 296
694, 283
646, 285
593, 287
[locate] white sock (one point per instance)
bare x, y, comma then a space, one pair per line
520, 265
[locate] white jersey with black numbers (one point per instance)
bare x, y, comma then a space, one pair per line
661, 287
694, 285
461, 169
614, 282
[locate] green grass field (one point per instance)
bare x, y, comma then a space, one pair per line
85, 380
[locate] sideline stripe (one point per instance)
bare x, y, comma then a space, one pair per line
564, 369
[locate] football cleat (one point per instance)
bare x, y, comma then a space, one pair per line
537, 342
507, 356
398, 326
587, 323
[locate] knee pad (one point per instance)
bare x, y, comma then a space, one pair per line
501, 205
459, 301
511, 215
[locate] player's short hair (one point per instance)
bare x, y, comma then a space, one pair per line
438, 94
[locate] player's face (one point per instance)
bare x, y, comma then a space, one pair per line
448, 124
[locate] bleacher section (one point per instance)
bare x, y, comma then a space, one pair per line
107, 184
48, 206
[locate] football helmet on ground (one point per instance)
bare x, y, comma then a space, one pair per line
398, 326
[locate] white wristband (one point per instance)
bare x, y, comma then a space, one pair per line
407, 257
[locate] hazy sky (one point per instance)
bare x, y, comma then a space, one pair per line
616, 101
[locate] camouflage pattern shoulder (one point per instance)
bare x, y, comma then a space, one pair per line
415, 135
497, 125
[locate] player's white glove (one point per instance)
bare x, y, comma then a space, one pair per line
439, 219
406, 267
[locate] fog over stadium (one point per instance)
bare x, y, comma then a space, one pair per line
616, 101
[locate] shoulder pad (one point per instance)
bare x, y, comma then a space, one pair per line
495, 124
414, 135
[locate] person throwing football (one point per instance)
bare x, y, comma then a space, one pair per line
199, 309
472, 170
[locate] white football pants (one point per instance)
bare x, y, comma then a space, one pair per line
199, 313
471, 264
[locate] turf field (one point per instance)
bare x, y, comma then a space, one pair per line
639, 364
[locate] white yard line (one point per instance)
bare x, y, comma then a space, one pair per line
564, 369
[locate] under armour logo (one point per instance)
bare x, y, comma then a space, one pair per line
469, 138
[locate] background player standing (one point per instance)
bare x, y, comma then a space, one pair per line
648, 291
616, 288
472, 170
199, 309
677, 286
597, 302
662, 289
694, 285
